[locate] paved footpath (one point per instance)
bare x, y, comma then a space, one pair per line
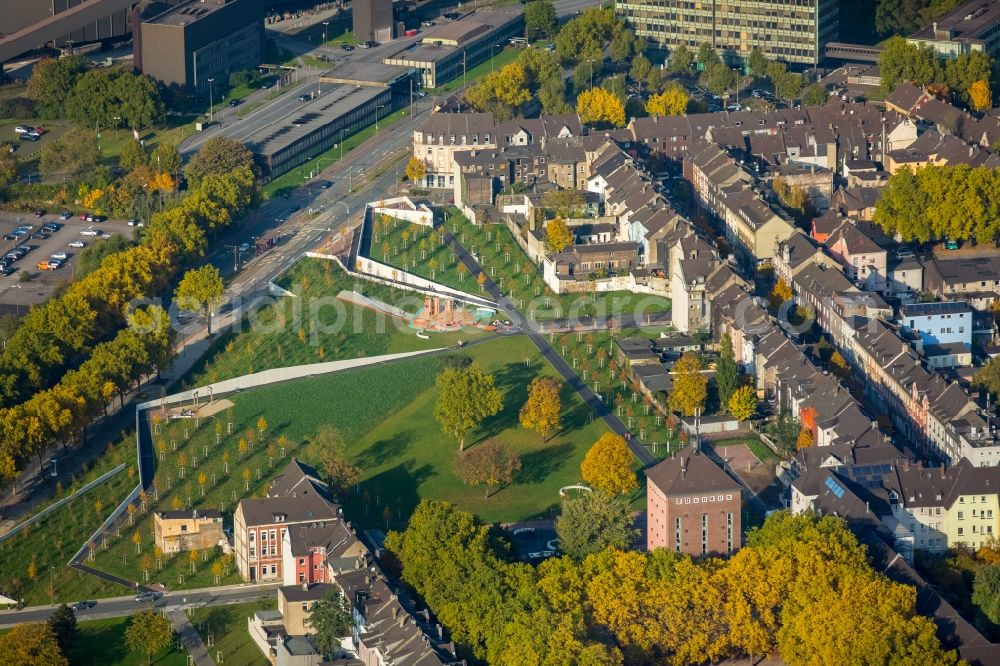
190, 640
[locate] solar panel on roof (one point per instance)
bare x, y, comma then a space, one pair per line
834, 487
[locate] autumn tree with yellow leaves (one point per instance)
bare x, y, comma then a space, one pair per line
558, 237
608, 465
600, 107
980, 96
673, 101
542, 411
690, 385
501, 92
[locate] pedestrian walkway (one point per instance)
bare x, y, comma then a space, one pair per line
549, 354
190, 640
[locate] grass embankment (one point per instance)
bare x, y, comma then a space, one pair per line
103, 642
227, 627
316, 327
50, 543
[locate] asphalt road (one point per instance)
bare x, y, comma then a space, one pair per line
121, 606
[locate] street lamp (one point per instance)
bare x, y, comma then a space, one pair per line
325, 24
17, 300
377, 107
211, 111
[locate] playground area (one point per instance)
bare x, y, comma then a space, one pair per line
439, 314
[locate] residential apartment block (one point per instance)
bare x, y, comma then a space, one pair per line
972, 26
793, 31
694, 506
296, 498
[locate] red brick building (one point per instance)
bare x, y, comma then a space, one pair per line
693, 506
296, 498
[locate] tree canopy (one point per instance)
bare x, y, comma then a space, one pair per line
201, 290
491, 463
149, 632
542, 411
600, 107
673, 101
52, 82
690, 385
608, 465
558, 237
959, 202
31, 645
615, 607
540, 18
501, 92
219, 156
466, 396
331, 620
594, 521
72, 156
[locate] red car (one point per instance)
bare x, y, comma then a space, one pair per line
41, 130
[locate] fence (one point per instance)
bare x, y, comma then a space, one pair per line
55, 505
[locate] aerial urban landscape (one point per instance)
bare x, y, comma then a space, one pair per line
514, 332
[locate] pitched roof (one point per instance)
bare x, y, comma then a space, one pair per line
690, 471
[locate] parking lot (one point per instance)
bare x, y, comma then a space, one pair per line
535, 541
16, 295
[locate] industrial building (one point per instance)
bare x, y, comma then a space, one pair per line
339, 110
792, 31
975, 26
373, 21
200, 42
448, 50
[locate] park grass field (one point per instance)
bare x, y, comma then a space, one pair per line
395, 439
103, 642
277, 336
227, 627
52, 542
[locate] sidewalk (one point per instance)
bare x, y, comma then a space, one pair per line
190, 639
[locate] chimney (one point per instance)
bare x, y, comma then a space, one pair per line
684, 467
305, 587
440, 632
942, 470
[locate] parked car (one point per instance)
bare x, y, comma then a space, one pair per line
292, 208
55, 264
7, 270
233, 103
304, 98
39, 212
40, 130
90, 231
44, 265
29, 137
65, 215
83, 605
78, 244
347, 47
9, 237
143, 597
951, 244
324, 184
41, 235
22, 129
61, 256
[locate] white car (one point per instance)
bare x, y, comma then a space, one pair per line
23, 129
78, 244
60, 256
90, 232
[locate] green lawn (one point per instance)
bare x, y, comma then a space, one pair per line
103, 642
503, 260
227, 627
287, 182
421, 251
334, 332
396, 441
407, 458
52, 542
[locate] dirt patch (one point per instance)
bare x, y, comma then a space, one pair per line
214, 407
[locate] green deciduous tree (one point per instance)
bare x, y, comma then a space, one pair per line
331, 620
593, 521
986, 591
757, 63
492, 464
690, 386
540, 67
564, 203
201, 290
73, 156
586, 36
552, 95
52, 82
466, 396
540, 18
149, 632
165, 158
132, 155
608, 465
680, 60
218, 156
8, 166
329, 446
639, 70
815, 95
718, 78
